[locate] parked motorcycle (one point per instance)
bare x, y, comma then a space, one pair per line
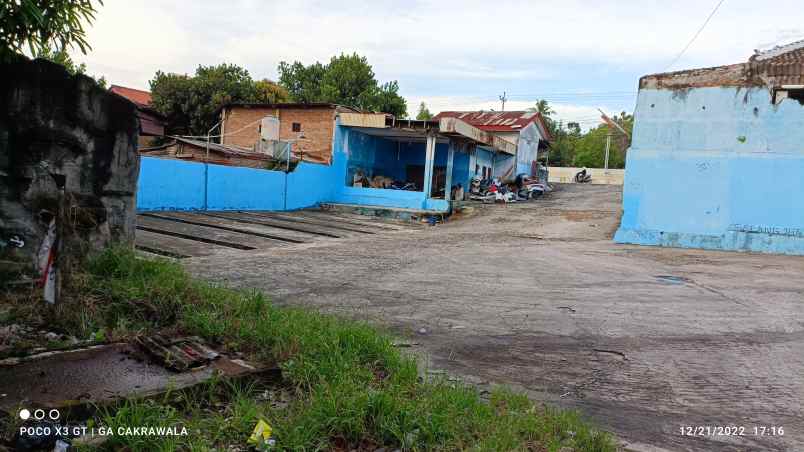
583, 176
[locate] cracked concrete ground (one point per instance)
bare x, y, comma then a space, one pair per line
642, 340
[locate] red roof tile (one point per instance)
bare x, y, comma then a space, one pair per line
139, 97
498, 121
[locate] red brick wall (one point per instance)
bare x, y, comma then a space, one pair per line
316, 123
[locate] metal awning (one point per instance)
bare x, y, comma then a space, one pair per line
417, 130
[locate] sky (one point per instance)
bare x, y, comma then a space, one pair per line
580, 55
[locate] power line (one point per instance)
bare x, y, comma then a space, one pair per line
706, 22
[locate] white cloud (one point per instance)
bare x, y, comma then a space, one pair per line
444, 41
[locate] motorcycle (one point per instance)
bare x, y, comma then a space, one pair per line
583, 177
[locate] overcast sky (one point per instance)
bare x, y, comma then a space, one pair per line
453, 55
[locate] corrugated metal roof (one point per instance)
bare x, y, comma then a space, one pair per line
139, 97
223, 148
782, 65
498, 121
778, 51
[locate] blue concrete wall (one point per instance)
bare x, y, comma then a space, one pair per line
170, 185
311, 184
717, 168
484, 157
236, 188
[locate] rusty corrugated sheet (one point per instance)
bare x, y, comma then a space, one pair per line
449, 125
782, 65
138, 96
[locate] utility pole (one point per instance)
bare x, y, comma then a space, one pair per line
503, 98
612, 126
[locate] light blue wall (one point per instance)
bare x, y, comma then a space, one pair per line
717, 168
235, 188
310, 184
170, 185
484, 157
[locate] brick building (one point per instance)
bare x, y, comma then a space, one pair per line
315, 122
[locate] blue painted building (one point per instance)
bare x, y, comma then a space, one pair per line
717, 157
368, 151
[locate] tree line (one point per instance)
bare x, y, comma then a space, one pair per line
571, 146
190, 103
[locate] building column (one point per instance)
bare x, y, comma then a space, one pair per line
429, 161
450, 158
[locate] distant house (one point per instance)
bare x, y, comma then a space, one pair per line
524, 129
717, 158
152, 123
314, 122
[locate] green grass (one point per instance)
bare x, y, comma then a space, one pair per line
351, 387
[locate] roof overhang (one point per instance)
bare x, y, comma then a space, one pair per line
417, 130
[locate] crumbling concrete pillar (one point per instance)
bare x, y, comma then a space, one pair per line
68, 150
429, 161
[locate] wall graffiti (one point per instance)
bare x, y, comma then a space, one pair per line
772, 230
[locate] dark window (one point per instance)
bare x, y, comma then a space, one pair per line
783, 93
296, 127
797, 94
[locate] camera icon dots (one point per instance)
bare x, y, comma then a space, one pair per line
40, 414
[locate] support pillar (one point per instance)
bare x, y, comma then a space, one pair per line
450, 159
429, 161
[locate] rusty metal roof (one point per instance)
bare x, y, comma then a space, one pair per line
786, 50
498, 121
782, 65
225, 149
138, 96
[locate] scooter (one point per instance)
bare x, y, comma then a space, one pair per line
583, 177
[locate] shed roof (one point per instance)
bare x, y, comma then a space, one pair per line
498, 121
138, 96
225, 149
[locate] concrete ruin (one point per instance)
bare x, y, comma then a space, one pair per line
68, 150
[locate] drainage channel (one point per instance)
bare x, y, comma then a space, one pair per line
273, 224
224, 228
197, 239
311, 222
159, 252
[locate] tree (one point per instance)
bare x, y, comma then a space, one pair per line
385, 99
270, 92
543, 108
63, 58
42, 24
303, 83
190, 103
590, 149
346, 80
424, 113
